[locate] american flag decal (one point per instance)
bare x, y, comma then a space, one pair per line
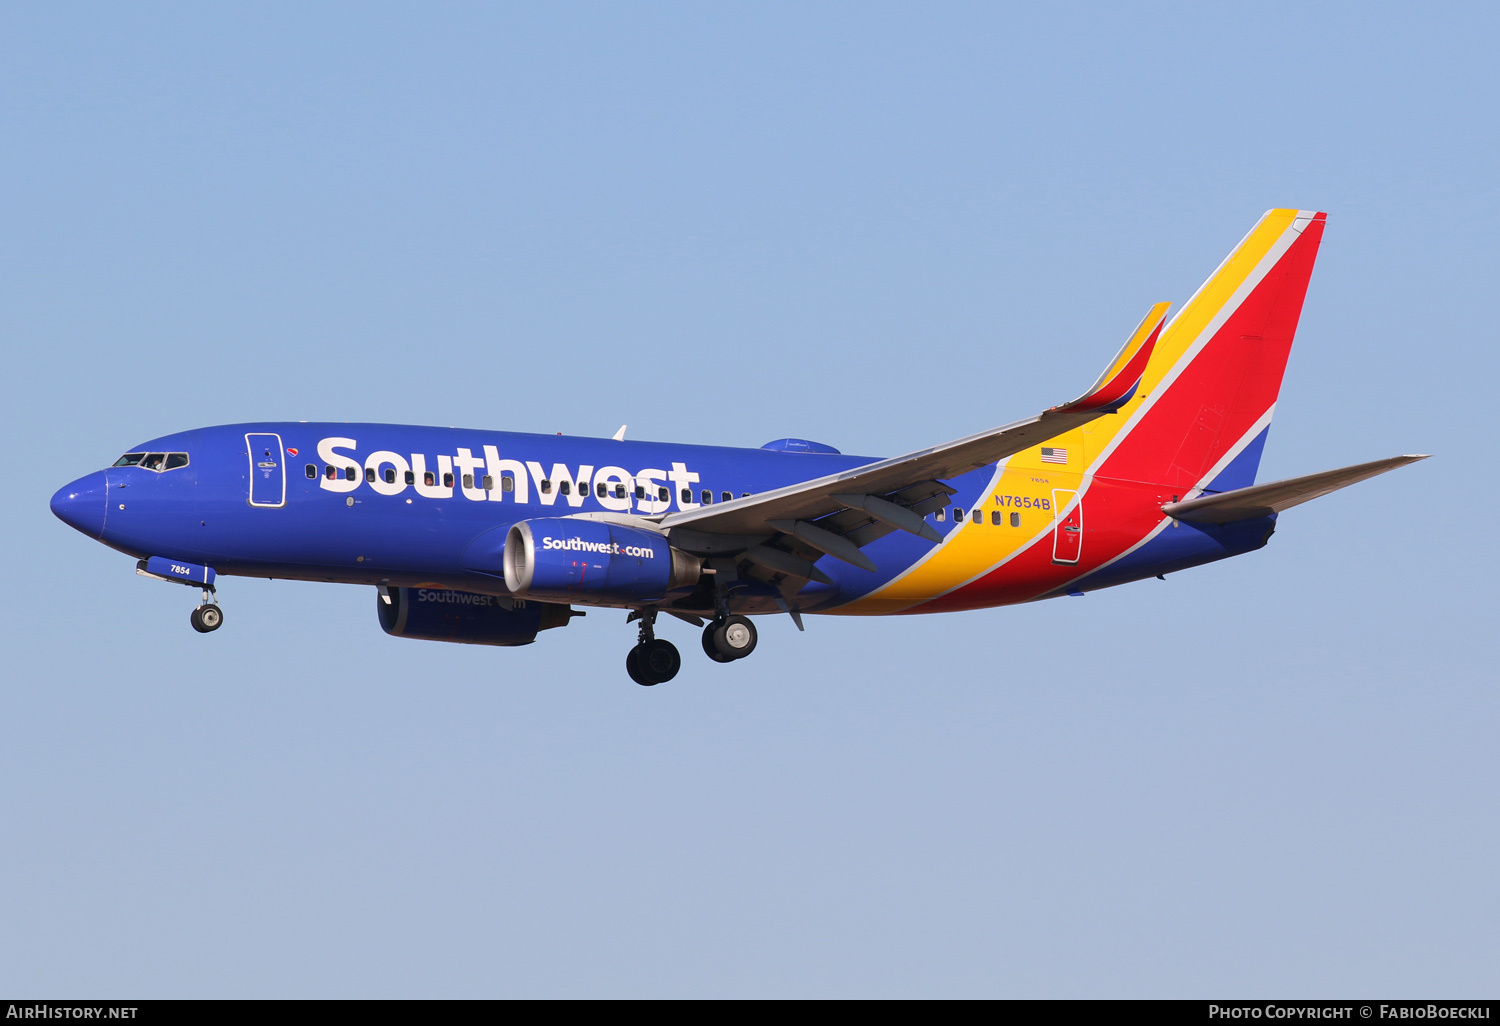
1054, 455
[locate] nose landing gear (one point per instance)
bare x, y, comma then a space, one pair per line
653, 660
207, 617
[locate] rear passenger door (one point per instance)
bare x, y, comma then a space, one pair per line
1067, 535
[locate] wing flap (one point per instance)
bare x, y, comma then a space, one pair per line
1263, 500
810, 500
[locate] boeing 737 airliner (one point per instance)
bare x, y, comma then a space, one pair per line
489, 538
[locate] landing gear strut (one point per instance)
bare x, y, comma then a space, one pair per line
208, 616
729, 638
653, 660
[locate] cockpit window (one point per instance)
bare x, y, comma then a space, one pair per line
157, 461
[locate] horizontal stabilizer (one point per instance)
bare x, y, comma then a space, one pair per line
1263, 500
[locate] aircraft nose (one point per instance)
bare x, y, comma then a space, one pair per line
81, 505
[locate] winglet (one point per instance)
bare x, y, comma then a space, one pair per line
1117, 385
619, 436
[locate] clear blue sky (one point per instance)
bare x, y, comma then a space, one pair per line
880, 226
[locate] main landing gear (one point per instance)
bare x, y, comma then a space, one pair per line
653, 660
208, 616
729, 638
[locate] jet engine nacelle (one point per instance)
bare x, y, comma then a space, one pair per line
438, 614
563, 559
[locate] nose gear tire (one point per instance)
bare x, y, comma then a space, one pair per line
206, 618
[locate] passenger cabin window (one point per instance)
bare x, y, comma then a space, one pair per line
546, 486
447, 480
130, 459
1015, 520
468, 480
619, 491
601, 490
350, 474
979, 516
507, 484
663, 495
640, 491
958, 513
995, 517
390, 475
940, 516
489, 483
744, 495
370, 475
707, 496
565, 488
687, 495
329, 473
428, 478
411, 477
725, 496
312, 472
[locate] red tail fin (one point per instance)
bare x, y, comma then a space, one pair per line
1211, 386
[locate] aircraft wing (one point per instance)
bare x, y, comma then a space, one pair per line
1263, 500
894, 493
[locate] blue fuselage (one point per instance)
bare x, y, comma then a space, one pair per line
352, 515
402, 505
